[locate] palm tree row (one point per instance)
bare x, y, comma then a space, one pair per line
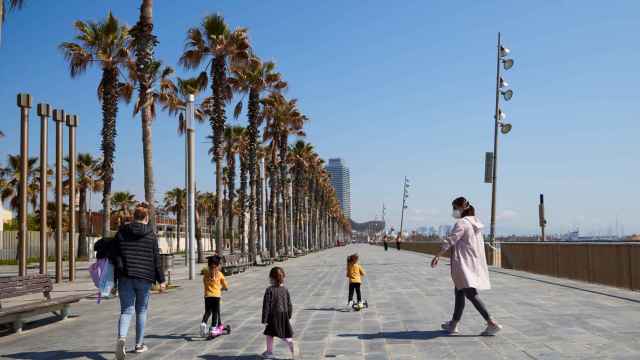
300, 201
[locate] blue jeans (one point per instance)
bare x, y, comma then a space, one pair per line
133, 292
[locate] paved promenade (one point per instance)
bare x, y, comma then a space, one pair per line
543, 318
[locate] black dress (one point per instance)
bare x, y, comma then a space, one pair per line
276, 312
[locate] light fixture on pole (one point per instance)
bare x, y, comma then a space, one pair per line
499, 124
405, 196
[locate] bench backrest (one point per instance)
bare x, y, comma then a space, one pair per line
13, 286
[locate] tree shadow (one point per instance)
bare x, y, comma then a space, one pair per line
186, 337
404, 335
336, 309
59, 354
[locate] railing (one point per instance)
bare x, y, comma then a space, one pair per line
614, 264
433, 247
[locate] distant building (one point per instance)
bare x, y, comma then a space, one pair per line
341, 182
444, 230
5, 215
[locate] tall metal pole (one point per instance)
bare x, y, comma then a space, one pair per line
24, 103
191, 184
492, 234
44, 111
72, 123
404, 198
58, 117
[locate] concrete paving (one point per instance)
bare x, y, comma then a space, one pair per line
543, 318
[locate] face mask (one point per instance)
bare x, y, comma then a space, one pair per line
457, 213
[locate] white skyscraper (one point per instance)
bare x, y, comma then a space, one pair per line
341, 182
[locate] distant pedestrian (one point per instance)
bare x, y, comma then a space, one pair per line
468, 265
214, 283
385, 242
137, 262
398, 242
276, 313
355, 272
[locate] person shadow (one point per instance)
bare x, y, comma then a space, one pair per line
404, 335
58, 354
336, 309
186, 337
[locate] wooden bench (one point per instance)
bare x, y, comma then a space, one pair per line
234, 263
265, 258
282, 256
14, 286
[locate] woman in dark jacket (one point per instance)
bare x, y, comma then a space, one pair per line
137, 263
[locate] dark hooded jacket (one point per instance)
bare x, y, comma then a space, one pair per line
136, 253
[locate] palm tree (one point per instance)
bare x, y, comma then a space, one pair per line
146, 70
232, 139
174, 96
284, 119
242, 194
206, 203
13, 4
213, 39
89, 179
254, 78
122, 203
106, 44
300, 157
11, 176
175, 201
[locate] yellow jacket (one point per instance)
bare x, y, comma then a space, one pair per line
355, 273
213, 283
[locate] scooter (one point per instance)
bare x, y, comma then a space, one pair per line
219, 330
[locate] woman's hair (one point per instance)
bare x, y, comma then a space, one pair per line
464, 205
141, 212
277, 275
352, 259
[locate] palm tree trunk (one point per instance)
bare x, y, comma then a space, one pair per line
199, 239
217, 123
243, 201
83, 246
252, 136
231, 166
258, 206
178, 223
274, 245
145, 42
284, 191
109, 114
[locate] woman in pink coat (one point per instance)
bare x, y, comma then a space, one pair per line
468, 265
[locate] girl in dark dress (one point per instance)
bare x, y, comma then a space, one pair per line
276, 312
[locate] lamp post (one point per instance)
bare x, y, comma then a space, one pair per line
44, 111
507, 94
190, 185
24, 103
72, 123
58, 117
405, 196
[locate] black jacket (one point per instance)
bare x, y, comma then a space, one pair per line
137, 254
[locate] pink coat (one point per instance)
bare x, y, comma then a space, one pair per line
468, 261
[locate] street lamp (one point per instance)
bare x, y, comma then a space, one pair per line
405, 196
501, 90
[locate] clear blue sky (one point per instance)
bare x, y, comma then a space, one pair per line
394, 90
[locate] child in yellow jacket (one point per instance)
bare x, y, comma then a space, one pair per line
355, 272
214, 282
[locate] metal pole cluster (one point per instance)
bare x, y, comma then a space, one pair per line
24, 102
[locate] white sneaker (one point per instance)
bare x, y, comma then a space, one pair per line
492, 330
267, 355
451, 329
203, 330
120, 352
350, 303
140, 348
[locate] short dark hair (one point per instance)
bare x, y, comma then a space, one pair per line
464, 205
277, 275
213, 260
352, 259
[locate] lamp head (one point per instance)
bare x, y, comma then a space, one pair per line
507, 63
505, 128
504, 51
507, 94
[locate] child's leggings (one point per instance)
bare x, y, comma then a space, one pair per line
212, 307
289, 342
356, 287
